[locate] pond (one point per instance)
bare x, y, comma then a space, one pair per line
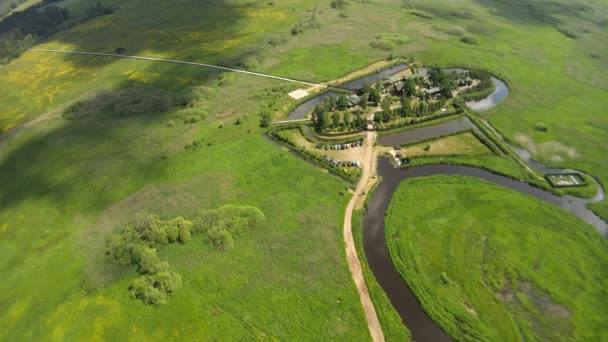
425, 133
302, 110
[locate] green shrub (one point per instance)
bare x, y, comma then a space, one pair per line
147, 260
220, 237
278, 39
541, 127
420, 14
384, 45
154, 289
469, 39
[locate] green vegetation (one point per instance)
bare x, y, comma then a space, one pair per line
458, 144
291, 137
138, 241
67, 183
490, 263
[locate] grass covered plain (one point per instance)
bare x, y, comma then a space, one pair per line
288, 279
459, 144
66, 185
493, 264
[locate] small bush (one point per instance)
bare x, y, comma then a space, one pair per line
226, 79
469, 39
541, 127
384, 45
251, 61
339, 4
420, 14
220, 237
444, 277
277, 40
154, 289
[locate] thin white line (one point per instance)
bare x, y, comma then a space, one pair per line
174, 61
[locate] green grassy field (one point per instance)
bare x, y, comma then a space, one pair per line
68, 184
492, 264
460, 144
287, 280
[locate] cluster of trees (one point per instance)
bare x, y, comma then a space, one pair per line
137, 243
407, 108
139, 100
367, 93
333, 113
482, 89
21, 30
441, 79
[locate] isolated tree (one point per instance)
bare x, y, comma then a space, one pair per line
410, 87
342, 102
347, 118
363, 101
265, 119
447, 86
375, 96
387, 112
318, 116
327, 120
336, 119
367, 87
331, 104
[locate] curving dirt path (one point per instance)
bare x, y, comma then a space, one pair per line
354, 264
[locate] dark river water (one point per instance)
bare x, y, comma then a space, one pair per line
429, 132
301, 111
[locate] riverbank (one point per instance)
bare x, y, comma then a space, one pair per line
483, 272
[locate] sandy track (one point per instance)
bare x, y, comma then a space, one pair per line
354, 264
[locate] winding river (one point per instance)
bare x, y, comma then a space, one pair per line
412, 314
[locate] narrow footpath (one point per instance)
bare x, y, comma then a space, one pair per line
354, 264
114, 55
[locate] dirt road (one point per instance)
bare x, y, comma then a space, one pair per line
351, 253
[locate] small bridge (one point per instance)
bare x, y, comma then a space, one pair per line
289, 121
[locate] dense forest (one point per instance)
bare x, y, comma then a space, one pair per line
21, 30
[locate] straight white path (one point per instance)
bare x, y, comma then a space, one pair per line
173, 61
289, 121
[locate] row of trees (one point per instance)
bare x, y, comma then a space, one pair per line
137, 242
334, 114
407, 109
